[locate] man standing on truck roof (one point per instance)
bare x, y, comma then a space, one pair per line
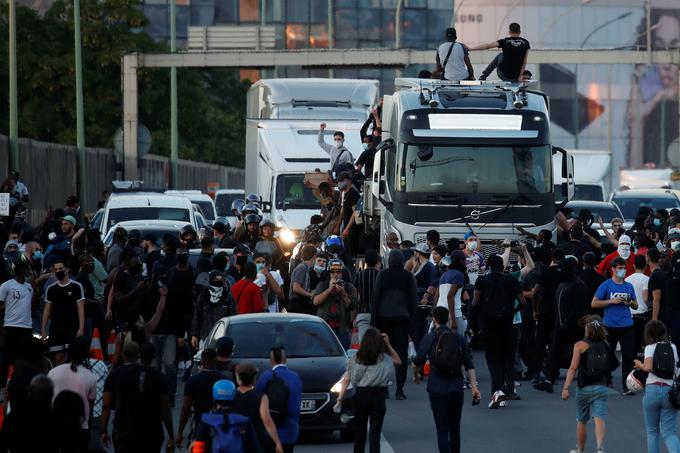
512, 61
341, 158
453, 62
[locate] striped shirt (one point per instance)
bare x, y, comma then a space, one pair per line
364, 282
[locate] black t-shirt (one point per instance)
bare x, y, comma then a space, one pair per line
366, 160
550, 280
593, 280
576, 248
151, 259
123, 284
64, 310
248, 404
514, 50
181, 287
136, 391
572, 303
659, 280
199, 388
349, 199
503, 286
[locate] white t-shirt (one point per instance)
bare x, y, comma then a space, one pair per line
455, 68
17, 298
82, 381
447, 280
640, 283
651, 377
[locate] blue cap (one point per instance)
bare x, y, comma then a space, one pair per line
224, 390
468, 235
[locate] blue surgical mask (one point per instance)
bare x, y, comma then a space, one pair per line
657, 222
38, 255
259, 266
319, 269
621, 273
365, 145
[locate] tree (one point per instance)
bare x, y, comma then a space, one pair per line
211, 102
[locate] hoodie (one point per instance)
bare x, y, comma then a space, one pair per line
394, 294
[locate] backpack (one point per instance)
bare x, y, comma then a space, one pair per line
446, 354
663, 363
495, 305
229, 430
597, 359
278, 393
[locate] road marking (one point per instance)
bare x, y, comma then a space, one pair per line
385, 446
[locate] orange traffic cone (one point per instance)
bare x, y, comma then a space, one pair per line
111, 346
355, 339
96, 346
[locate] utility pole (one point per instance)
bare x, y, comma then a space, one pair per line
13, 97
397, 33
174, 135
331, 44
80, 116
648, 12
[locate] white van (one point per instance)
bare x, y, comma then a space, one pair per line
201, 199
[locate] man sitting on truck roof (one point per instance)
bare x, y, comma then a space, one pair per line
341, 158
452, 59
512, 61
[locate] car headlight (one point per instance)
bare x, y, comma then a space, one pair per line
287, 236
338, 385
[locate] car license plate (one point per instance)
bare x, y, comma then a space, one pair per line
307, 405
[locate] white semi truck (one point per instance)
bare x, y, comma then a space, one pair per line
282, 128
457, 156
593, 175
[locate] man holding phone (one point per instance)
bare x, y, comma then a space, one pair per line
617, 297
335, 300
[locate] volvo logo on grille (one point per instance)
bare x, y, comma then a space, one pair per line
475, 214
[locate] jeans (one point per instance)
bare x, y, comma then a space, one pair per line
397, 330
660, 414
591, 401
447, 409
362, 323
166, 350
625, 336
500, 360
369, 405
495, 63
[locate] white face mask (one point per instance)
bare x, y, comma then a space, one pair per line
624, 251
472, 246
339, 143
675, 245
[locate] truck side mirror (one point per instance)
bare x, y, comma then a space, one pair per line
386, 145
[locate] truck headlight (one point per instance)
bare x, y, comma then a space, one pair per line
287, 236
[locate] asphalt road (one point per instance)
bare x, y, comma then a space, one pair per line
539, 423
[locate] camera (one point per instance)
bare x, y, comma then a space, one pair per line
340, 283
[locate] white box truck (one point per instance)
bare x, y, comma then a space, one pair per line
592, 174
282, 129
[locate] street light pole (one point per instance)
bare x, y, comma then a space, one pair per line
648, 11
331, 43
174, 134
13, 97
80, 116
397, 33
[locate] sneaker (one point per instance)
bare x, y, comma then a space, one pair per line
400, 395
576, 450
503, 404
600, 450
627, 393
482, 77
496, 399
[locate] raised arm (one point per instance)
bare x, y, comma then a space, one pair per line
489, 45
322, 142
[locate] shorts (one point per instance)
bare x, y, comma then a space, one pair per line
591, 401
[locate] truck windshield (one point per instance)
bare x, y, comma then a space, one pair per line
292, 193
475, 169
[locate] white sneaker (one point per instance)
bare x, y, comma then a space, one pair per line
496, 399
503, 404
575, 450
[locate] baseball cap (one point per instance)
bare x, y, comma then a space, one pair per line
225, 346
674, 233
422, 248
70, 219
469, 235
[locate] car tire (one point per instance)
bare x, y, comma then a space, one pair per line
347, 435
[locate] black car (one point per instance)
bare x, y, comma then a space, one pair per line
313, 351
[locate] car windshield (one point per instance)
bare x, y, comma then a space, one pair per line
223, 203
157, 233
475, 169
292, 193
582, 192
301, 338
630, 205
606, 212
147, 213
206, 209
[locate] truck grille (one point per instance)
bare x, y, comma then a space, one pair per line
488, 247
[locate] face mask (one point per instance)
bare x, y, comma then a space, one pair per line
60, 275
657, 222
472, 246
675, 245
624, 251
38, 255
241, 260
182, 259
319, 269
259, 266
620, 273
215, 294
338, 143
365, 146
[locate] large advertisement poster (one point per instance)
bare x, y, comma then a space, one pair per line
633, 111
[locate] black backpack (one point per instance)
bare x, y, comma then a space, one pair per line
495, 305
278, 393
446, 355
598, 364
663, 363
